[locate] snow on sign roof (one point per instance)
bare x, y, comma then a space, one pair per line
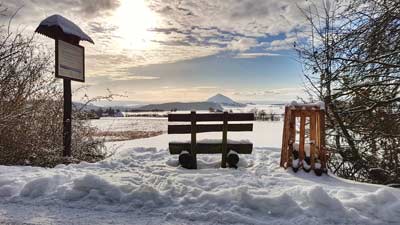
52, 25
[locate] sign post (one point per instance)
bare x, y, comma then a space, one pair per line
67, 118
69, 64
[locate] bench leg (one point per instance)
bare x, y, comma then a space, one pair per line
232, 159
194, 161
193, 138
186, 160
224, 140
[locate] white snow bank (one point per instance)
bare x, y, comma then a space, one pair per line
148, 183
91, 187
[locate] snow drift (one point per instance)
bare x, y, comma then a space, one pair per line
149, 184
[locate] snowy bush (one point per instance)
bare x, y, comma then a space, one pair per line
31, 107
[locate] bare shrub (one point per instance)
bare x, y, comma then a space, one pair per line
31, 108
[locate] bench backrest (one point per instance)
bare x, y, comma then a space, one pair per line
193, 117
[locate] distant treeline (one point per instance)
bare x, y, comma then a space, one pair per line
260, 115
264, 116
100, 112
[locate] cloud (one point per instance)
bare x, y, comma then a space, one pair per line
91, 7
97, 27
134, 77
185, 30
116, 79
247, 17
242, 44
205, 87
288, 93
254, 55
284, 44
33, 9
230, 25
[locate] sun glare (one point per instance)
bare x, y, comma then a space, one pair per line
134, 20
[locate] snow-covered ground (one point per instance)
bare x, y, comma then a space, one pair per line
130, 124
143, 184
274, 109
269, 109
143, 123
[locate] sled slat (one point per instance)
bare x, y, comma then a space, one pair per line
302, 137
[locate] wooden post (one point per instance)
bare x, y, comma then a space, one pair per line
313, 136
284, 139
302, 136
288, 136
322, 139
67, 118
292, 137
193, 139
224, 140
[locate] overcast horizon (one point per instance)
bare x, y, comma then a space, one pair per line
183, 50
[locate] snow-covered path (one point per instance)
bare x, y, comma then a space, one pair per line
143, 184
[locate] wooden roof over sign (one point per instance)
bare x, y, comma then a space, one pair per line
59, 27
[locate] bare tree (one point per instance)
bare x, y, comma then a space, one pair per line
351, 62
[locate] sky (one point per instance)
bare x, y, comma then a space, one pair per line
180, 50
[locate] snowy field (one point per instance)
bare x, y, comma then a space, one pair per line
130, 124
143, 123
274, 109
269, 109
143, 184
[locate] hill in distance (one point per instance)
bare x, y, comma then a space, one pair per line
224, 101
182, 106
216, 102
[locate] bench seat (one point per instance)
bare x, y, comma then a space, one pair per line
175, 148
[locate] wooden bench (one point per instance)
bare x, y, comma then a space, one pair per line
187, 151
